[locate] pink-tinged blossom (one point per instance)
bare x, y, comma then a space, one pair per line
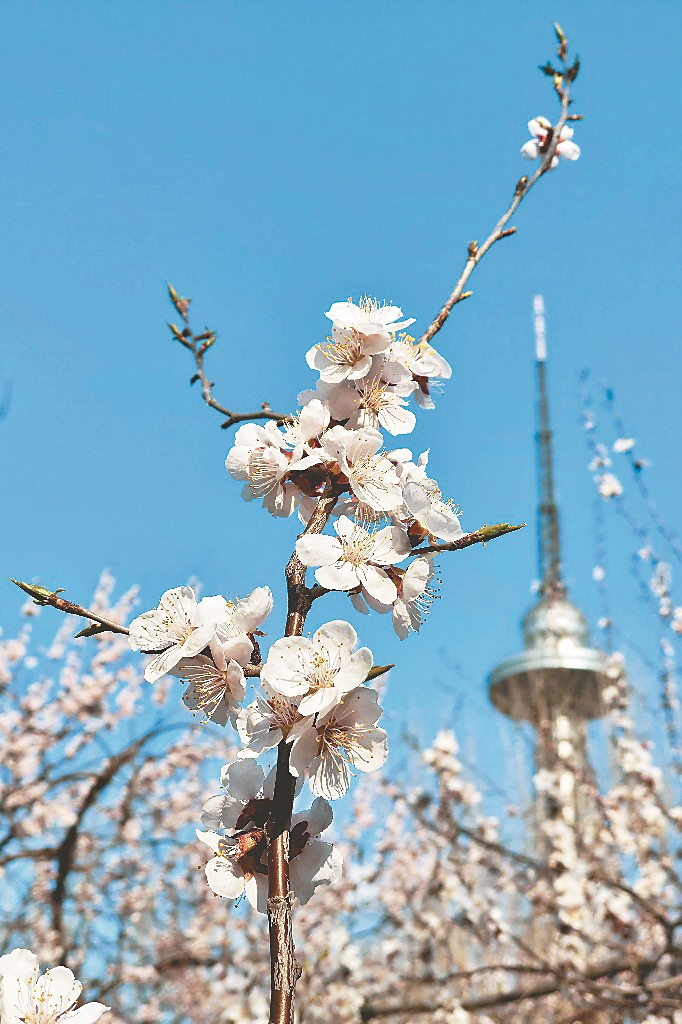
345, 737
354, 558
368, 318
170, 630
319, 671
29, 998
535, 148
240, 864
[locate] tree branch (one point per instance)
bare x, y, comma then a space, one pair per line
476, 252
42, 596
198, 345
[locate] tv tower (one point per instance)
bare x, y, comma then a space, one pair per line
557, 681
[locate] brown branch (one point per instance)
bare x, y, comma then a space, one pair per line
43, 596
198, 345
481, 536
476, 252
284, 968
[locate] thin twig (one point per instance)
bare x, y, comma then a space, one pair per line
481, 536
43, 596
198, 345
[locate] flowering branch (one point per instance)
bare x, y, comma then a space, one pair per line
550, 141
198, 345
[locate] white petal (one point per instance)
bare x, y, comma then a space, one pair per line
377, 584
243, 779
305, 747
568, 150
318, 863
318, 549
342, 576
20, 963
317, 818
257, 892
530, 150
222, 879
163, 663
87, 1014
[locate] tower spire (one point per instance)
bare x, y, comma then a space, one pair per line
549, 538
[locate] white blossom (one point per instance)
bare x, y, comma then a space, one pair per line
354, 558
539, 127
261, 457
265, 722
372, 478
424, 363
170, 629
347, 355
343, 738
28, 998
321, 670
424, 501
369, 317
609, 485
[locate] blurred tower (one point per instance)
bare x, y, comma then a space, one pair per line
556, 682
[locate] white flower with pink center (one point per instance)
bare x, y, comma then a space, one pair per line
354, 558
535, 148
331, 745
26, 997
318, 670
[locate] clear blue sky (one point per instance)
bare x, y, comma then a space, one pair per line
269, 159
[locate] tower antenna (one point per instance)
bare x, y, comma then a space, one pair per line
549, 537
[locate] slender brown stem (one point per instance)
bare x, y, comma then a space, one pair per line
481, 536
284, 968
198, 345
43, 596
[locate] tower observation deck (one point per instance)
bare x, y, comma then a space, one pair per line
557, 681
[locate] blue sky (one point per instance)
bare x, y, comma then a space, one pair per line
269, 159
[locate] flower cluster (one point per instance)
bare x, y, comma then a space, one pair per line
368, 369
313, 702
